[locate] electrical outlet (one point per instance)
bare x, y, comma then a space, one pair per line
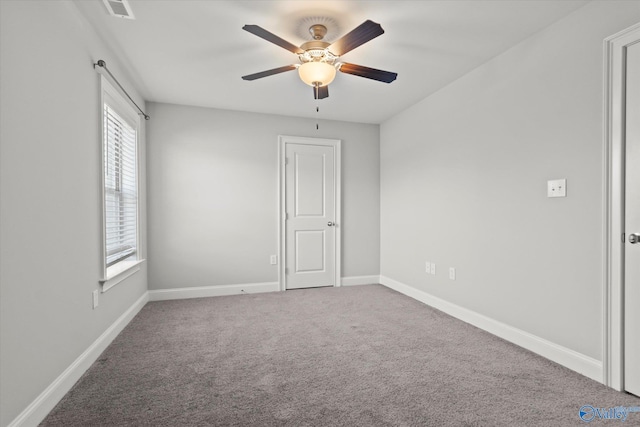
96, 293
452, 273
433, 268
557, 188
427, 267
274, 259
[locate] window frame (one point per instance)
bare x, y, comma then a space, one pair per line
119, 271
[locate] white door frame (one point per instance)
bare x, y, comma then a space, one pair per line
613, 203
282, 209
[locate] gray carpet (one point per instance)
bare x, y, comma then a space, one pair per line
356, 356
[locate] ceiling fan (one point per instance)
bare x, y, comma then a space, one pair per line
319, 60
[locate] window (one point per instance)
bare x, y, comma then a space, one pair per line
120, 185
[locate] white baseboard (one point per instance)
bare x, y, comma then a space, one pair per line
237, 289
571, 359
49, 398
360, 280
212, 291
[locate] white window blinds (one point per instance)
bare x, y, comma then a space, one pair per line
120, 187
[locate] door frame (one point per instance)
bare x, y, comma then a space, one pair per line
283, 140
613, 206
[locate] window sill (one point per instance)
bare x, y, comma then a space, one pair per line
120, 272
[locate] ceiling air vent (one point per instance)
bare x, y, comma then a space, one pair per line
119, 8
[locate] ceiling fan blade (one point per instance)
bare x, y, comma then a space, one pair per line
270, 37
369, 73
320, 92
366, 31
268, 73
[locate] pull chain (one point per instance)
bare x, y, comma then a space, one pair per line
316, 95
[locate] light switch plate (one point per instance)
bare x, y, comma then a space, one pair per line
433, 268
427, 267
557, 188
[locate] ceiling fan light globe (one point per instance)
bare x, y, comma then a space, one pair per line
317, 72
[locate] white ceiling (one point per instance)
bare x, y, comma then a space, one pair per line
193, 52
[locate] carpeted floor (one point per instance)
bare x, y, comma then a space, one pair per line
355, 356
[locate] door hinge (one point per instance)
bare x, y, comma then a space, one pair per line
286, 271
286, 216
286, 160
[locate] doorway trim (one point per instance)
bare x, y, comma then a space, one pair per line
613, 207
282, 240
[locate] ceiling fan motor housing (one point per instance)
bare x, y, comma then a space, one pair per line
316, 51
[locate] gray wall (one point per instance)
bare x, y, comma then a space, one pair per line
213, 191
50, 205
463, 184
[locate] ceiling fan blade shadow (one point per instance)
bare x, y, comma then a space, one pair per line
270, 37
366, 31
369, 73
268, 73
320, 92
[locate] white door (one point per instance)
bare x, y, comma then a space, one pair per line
632, 223
310, 213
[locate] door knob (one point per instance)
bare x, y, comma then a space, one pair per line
331, 224
634, 238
